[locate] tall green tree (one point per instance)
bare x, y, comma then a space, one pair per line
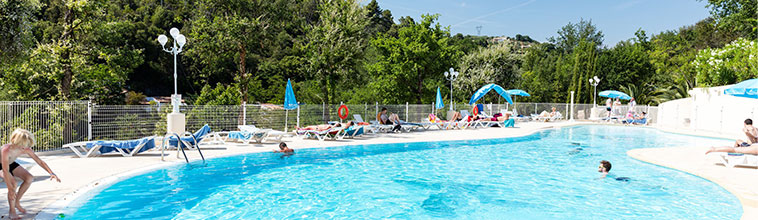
410, 65
740, 16
81, 54
584, 67
380, 21
572, 34
500, 63
334, 45
236, 33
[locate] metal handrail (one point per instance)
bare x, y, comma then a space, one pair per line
180, 142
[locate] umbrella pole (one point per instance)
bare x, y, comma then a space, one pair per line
286, 118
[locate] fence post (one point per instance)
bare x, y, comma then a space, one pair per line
406, 111
572, 107
89, 120
298, 115
323, 112
244, 113
338, 112
535, 108
376, 112
365, 109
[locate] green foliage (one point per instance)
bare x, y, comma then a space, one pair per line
339, 51
221, 95
380, 21
733, 63
499, 63
16, 21
334, 45
739, 16
572, 34
134, 98
409, 66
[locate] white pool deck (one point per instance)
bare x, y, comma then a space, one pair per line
78, 173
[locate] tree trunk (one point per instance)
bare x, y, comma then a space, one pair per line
325, 90
419, 87
243, 73
68, 73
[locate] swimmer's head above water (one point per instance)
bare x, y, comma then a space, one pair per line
604, 167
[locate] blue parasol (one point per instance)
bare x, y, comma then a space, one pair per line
289, 97
485, 89
614, 94
439, 104
517, 92
746, 89
289, 102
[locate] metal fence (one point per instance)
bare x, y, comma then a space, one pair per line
52, 123
57, 123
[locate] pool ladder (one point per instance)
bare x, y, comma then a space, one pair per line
180, 145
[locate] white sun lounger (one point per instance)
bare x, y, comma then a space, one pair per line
331, 133
737, 159
126, 148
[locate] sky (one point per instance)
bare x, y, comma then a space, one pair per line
541, 19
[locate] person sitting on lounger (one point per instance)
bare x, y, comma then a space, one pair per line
21, 143
750, 132
456, 116
386, 118
284, 149
638, 119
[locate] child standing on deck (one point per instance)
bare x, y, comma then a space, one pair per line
21, 143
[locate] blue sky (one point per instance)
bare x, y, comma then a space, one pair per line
540, 19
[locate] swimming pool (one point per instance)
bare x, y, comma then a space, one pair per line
551, 174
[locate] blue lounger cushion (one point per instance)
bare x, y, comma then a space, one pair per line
110, 146
199, 134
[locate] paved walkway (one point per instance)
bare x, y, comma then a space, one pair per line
78, 173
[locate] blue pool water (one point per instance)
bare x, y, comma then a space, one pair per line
551, 174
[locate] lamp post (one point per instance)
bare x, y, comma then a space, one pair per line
175, 121
451, 75
594, 81
179, 40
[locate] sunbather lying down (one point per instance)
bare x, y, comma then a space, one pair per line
324, 127
751, 149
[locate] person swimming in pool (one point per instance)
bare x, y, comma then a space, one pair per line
605, 168
284, 149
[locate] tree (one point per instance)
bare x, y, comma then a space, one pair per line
16, 23
570, 35
410, 65
740, 16
82, 55
380, 21
733, 63
334, 44
585, 59
236, 32
500, 63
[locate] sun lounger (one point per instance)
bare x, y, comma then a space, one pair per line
331, 133
352, 132
378, 127
736, 159
126, 148
518, 117
191, 141
358, 119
